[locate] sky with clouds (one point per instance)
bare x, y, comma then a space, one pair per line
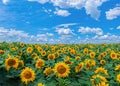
60, 21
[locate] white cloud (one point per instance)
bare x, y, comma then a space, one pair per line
10, 35
63, 13
67, 25
39, 1
63, 31
49, 34
113, 13
88, 30
5, 1
91, 7
118, 27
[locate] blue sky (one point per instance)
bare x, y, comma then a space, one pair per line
60, 21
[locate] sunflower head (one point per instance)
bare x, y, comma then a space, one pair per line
92, 54
2, 51
102, 62
39, 64
11, 63
117, 67
21, 64
48, 71
51, 56
118, 78
43, 53
40, 84
113, 55
27, 75
79, 67
29, 50
61, 69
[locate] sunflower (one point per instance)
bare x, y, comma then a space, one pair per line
21, 64
22, 44
113, 55
117, 67
101, 69
79, 67
77, 57
29, 50
39, 49
85, 51
51, 56
34, 54
43, 53
92, 54
102, 62
40, 63
11, 63
59, 51
40, 84
101, 80
2, 51
48, 71
62, 69
27, 75
118, 78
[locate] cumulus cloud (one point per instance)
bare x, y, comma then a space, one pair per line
5, 1
118, 27
63, 31
113, 13
63, 13
88, 30
91, 6
107, 38
10, 35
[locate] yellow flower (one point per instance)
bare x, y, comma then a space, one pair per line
100, 69
27, 75
40, 84
40, 63
51, 57
102, 62
61, 69
85, 51
48, 71
113, 55
77, 57
102, 79
39, 49
118, 78
21, 64
22, 44
92, 54
29, 50
43, 53
11, 63
79, 67
2, 51
117, 67
34, 54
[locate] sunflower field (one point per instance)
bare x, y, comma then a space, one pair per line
59, 64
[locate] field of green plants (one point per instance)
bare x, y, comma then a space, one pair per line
59, 64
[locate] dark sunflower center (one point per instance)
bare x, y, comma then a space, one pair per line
28, 75
113, 55
61, 69
40, 63
11, 62
51, 57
